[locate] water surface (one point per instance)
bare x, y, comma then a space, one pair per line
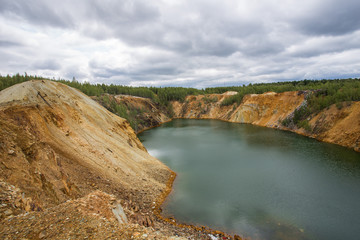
258, 182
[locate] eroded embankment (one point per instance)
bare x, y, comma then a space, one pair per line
332, 125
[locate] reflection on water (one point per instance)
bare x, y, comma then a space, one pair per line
258, 182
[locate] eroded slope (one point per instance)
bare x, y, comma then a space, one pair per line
56, 145
334, 125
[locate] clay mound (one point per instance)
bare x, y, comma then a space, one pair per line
58, 144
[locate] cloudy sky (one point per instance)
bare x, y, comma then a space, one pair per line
195, 43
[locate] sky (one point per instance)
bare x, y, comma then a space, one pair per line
195, 43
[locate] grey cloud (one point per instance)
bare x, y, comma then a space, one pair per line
261, 46
140, 73
74, 71
144, 25
49, 64
131, 21
8, 43
329, 45
159, 70
38, 12
123, 12
108, 73
140, 23
177, 42
100, 71
214, 47
331, 18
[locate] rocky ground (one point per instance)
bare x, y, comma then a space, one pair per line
95, 216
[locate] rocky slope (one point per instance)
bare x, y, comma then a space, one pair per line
341, 127
71, 169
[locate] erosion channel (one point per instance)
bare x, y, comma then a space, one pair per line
257, 182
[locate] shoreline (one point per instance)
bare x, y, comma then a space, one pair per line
204, 229
296, 131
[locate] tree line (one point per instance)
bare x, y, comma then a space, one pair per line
323, 93
8, 81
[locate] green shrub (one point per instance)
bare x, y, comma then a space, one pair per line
339, 105
305, 125
208, 99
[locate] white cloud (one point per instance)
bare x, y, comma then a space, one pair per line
192, 43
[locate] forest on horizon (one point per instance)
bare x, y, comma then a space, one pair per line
324, 93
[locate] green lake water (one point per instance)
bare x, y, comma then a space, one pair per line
258, 182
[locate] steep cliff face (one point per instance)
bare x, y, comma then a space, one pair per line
267, 109
204, 107
260, 109
339, 126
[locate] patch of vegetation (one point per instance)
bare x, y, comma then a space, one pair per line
8, 81
125, 111
305, 125
339, 105
338, 92
168, 94
208, 99
298, 118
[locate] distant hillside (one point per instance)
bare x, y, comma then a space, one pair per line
325, 94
